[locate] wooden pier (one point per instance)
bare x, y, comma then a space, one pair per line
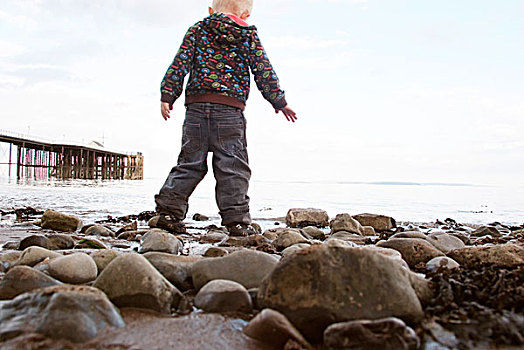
41, 159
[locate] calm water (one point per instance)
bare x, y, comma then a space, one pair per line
94, 200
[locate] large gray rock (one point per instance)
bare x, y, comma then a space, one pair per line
99, 230
387, 333
34, 240
246, 267
223, 296
315, 233
75, 313
21, 279
270, 326
60, 241
177, 269
301, 217
297, 288
344, 222
379, 222
486, 230
444, 242
157, 240
441, 262
288, 237
349, 237
103, 257
505, 255
131, 281
8, 259
56, 221
33, 255
414, 250
76, 268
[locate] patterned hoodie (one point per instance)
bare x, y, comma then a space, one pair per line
217, 53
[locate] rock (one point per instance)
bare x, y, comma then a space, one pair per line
344, 222
99, 230
200, 217
249, 241
33, 255
134, 235
102, 258
295, 248
223, 296
350, 237
270, 234
297, 288
256, 227
423, 288
315, 232
413, 250
444, 242
441, 262
74, 313
506, 255
271, 327
299, 217
335, 242
215, 252
246, 267
486, 230
8, 259
90, 243
368, 231
176, 269
11, 245
34, 240
157, 240
213, 237
21, 279
387, 333
409, 234
380, 223
132, 281
392, 254
56, 221
60, 241
153, 221
76, 268
288, 237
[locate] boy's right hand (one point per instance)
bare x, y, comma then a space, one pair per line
165, 109
288, 113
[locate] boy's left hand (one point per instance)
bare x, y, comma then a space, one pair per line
288, 113
165, 109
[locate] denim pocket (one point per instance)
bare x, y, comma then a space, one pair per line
191, 137
231, 137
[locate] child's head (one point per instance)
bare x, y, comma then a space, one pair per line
240, 8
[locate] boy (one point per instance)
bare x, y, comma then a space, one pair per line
218, 53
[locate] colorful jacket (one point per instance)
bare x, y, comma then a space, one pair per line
218, 54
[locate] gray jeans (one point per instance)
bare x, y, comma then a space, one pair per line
221, 129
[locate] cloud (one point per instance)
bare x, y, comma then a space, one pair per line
8, 49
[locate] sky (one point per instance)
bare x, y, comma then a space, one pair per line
385, 90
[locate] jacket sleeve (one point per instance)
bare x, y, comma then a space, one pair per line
264, 74
173, 82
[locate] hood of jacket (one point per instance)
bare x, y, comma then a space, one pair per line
226, 31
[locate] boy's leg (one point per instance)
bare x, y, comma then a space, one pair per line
190, 170
231, 167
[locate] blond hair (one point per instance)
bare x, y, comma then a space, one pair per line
236, 7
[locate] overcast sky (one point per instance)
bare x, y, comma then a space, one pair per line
385, 90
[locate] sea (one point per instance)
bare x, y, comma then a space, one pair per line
94, 200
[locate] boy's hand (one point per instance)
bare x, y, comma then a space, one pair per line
288, 112
165, 109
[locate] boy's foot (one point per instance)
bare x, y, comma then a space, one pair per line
170, 224
241, 230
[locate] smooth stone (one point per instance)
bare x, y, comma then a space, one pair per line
315, 232
335, 242
486, 230
99, 230
11, 245
134, 235
213, 237
444, 242
441, 262
387, 333
56, 221
294, 248
176, 269
246, 267
103, 257
223, 296
344, 222
74, 313
8, 259
409, 234
200, 217
76, 268
215, 252
369, 231
502, 255
153, 221
249, 241
301, 217
271, 327
131, 280
422, 287
157, 240
392, 254
33, 255
34, 240
60, 241
270, 234
414, 250
288, 237
349, 237
90, 243
22, 279
380, 223
297, 288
